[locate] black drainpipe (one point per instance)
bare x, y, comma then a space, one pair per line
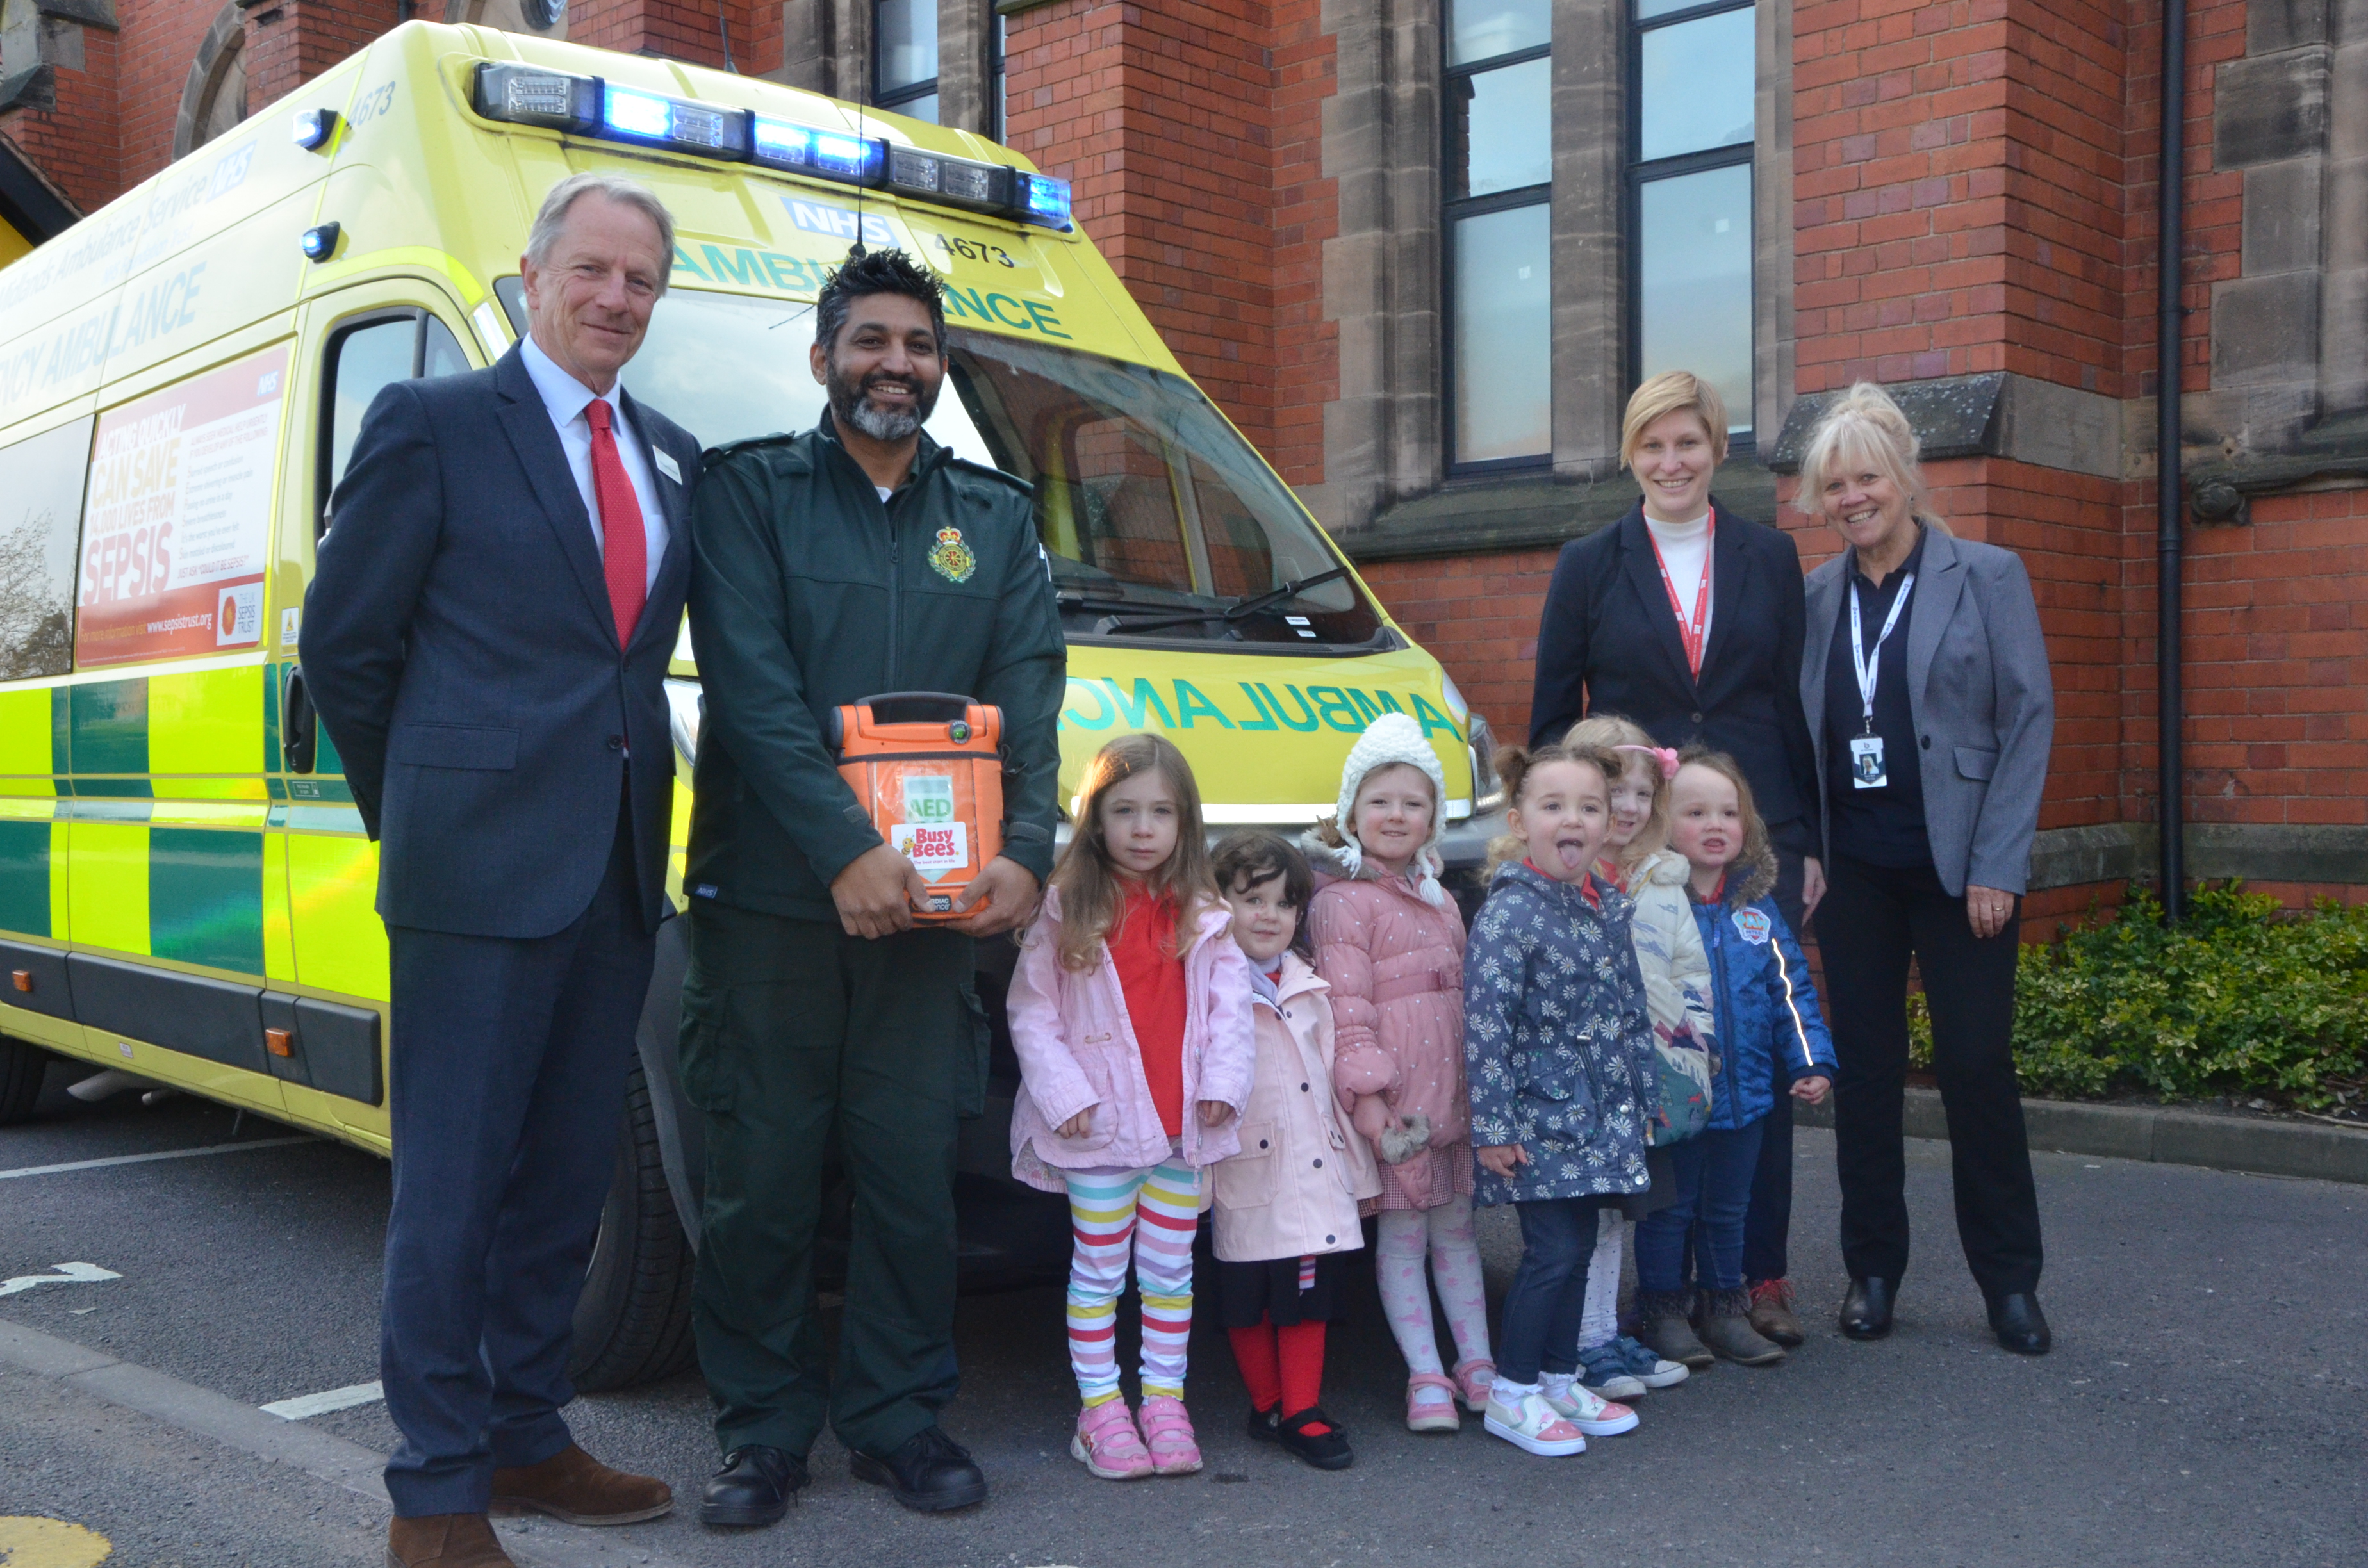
2169, 643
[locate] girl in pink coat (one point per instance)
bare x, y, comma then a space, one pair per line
1130, 1012
1389, 942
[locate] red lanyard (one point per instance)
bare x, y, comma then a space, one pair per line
1689, 631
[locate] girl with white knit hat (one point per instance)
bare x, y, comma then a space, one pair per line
1389, 942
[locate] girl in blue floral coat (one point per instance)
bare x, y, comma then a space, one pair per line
1563, 1080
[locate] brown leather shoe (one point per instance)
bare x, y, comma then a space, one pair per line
1771, 1311
572, 1486
444, 1540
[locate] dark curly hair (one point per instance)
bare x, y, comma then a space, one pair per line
887, 271
1241, 860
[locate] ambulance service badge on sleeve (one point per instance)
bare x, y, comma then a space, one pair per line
951, 556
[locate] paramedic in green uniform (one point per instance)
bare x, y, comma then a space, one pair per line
856, 558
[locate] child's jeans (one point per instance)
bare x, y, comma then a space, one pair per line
1712, 1173
1549, 1290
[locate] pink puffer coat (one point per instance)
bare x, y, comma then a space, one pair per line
1395, 966
1294, 1189
1076, 1049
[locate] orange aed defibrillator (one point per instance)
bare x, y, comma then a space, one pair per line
926, 765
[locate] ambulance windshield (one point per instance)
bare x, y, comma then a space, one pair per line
1161, 521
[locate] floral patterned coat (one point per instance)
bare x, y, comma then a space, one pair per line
1556, 1042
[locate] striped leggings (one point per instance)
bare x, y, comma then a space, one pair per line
1158, 1210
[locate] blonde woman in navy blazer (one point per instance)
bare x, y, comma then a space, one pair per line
1931, 790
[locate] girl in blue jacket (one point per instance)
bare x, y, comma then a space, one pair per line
1768, 1031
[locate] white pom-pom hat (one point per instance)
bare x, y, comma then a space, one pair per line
1394, 738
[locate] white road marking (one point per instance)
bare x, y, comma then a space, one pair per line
308, 1404
161, 1155
65, 1274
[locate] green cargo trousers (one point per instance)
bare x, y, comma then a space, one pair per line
793, 1031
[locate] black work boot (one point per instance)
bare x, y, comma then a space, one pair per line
1661, 1324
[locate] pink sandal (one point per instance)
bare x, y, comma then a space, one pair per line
1169, 1430
1431, 1415
1108, 1444
1472, 1380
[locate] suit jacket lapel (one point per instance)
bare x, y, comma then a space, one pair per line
1645, 577
1730, 570
1825, 607
527, 422
673, 499
1937, 589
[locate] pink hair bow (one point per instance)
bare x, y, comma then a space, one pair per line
1662, 755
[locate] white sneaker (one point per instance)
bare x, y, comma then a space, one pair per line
1533, 1426
1595, 1417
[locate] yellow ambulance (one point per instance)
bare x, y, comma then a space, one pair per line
185, 886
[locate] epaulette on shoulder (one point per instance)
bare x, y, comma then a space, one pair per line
984, 471
714, 456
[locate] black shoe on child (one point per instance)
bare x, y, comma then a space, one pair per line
1262, 1424
1324, 1450
753, 1488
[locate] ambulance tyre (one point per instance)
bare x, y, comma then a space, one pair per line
21, 1066
632, 1323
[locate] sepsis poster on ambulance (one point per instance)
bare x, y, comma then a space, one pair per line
177, 525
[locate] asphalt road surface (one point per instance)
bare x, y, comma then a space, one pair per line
2204, 1403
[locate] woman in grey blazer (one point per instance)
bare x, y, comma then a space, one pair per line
1926, 686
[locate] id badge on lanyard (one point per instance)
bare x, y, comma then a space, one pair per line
1867, 770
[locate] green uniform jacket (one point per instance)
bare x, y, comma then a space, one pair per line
807, 592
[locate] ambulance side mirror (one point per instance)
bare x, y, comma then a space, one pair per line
300, 735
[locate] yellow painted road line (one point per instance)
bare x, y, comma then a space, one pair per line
50, 1543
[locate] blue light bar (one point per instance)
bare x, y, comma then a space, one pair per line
630, 115
833, 154
524, 95
1040, 199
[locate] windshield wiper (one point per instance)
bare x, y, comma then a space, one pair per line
1240, 610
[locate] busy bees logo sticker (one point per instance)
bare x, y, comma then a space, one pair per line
1754, 924
951, 556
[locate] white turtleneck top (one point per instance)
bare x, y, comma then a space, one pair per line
1685, 550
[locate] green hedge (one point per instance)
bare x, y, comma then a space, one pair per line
2243, 998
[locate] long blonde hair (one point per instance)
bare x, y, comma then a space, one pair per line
1091, 902
1608, 732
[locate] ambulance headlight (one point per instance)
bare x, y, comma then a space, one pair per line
1040, 199
523, 95
313, 127
780, 144
958, 182
628, 114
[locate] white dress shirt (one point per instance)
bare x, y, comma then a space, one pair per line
1685, 550
566, 399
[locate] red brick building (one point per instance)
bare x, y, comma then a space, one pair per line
1420, 253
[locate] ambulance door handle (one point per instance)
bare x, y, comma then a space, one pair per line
299, 730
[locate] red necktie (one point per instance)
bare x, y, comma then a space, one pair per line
626, 552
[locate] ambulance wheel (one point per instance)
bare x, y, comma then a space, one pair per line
632, 1323
21, 1066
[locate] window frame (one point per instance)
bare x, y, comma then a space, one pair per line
893, 99
332, 354
1636, 174
1452, 210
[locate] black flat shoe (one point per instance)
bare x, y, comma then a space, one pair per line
1326, 1450
753, 1488
930, 1474
1866, 1310
2020, 1326
1262, 1426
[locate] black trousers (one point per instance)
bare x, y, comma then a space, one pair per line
1873, 919
1768, 1227
507, 1067
797, 1040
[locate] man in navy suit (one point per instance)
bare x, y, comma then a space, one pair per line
486, 639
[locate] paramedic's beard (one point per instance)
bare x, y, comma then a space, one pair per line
853, 404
